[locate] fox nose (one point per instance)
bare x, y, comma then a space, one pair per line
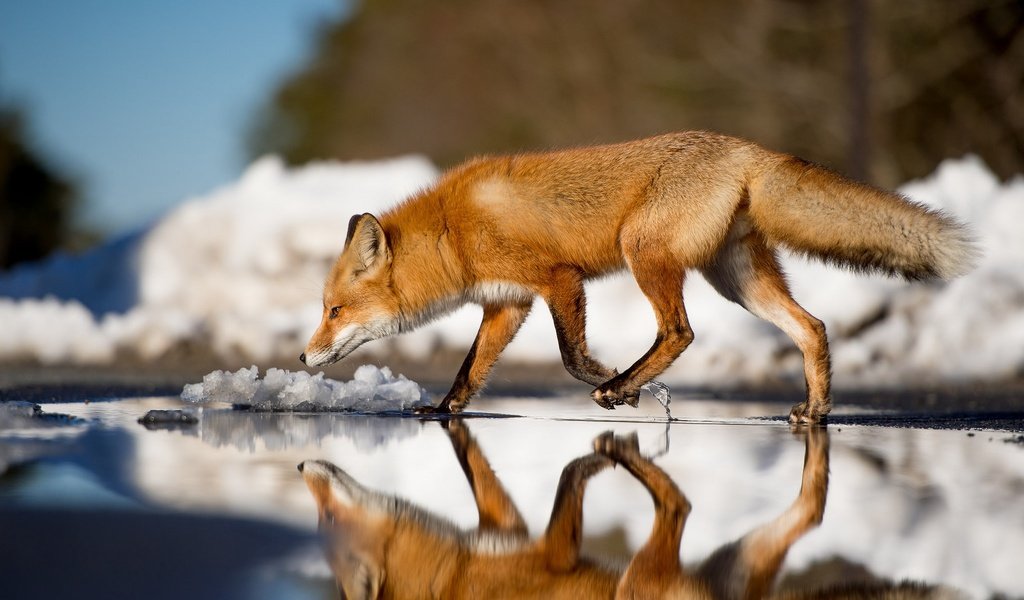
302, 357
301, 464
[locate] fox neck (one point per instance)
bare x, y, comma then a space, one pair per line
418, 559
427, 273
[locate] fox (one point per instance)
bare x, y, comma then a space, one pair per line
383, 546
500, 231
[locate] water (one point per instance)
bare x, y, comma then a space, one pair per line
95, 504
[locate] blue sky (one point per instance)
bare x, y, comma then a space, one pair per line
146, 103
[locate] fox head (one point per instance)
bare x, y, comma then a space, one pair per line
359, 302
355, 534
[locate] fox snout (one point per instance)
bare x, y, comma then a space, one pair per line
328, 346
331, 486
317, 469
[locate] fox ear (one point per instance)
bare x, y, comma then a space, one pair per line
370, 244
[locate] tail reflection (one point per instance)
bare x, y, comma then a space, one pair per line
381, 546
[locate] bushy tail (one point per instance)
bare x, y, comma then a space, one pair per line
817, 212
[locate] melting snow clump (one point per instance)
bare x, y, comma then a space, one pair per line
371, 390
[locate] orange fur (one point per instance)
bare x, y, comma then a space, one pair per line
500, 231
382, 546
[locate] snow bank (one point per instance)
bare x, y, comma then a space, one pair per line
240, 270
371, 390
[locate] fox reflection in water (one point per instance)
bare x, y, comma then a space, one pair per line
381, 546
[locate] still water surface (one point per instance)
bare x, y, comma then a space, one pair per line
98, 505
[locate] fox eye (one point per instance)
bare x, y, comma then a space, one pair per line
334, 311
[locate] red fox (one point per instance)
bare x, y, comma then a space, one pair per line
500, 231
381, 546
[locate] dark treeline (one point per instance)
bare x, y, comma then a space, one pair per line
879, 89
36, 203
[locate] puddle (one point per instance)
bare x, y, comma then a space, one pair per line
217, 508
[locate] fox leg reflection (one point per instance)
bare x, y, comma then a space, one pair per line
560, 544
764, 548
655, 568
497, 511
749, 566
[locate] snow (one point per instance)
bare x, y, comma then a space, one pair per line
239, 271
371, 390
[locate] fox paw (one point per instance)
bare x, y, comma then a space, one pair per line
617, 447
444, 408
457, 431
609, 396
432, 410
808, 413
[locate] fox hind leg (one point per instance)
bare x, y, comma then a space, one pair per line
747, 271
655, 569
747, 568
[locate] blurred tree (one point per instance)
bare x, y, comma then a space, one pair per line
883, 90
950, 81
35, 203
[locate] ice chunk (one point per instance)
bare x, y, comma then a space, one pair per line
371, 390
662, 394
27, 432
18, 410
168, 419
18, 415
236, 388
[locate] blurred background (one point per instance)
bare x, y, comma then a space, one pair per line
176, 177
113, 113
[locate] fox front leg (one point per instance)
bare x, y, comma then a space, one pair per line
500, 324
654, 571
496, 511
567, 300
661, 280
